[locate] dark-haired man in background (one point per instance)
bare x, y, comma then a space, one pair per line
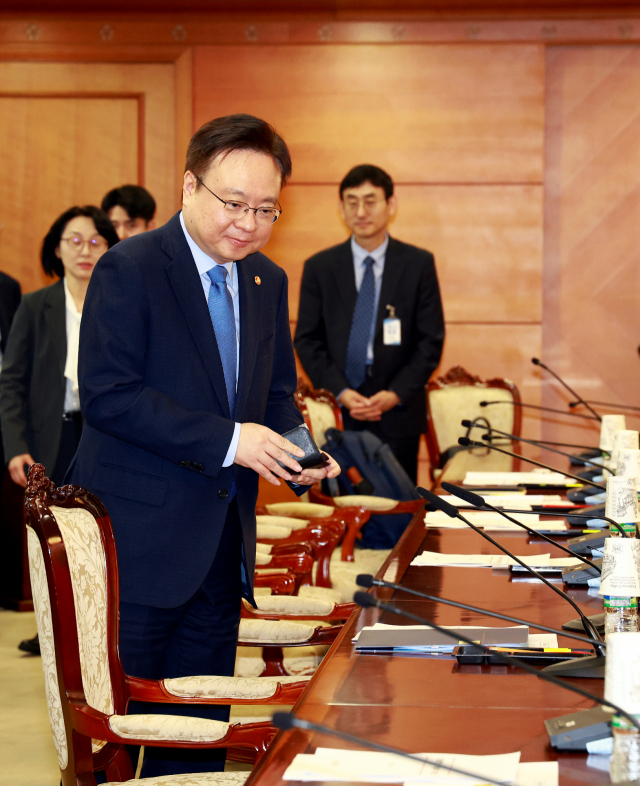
370, 323
187, 377
131, 210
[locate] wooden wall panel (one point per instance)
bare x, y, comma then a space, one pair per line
444, 113
58, 152
487, 241
592, 212
71, 131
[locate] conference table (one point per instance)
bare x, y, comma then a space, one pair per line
433, 704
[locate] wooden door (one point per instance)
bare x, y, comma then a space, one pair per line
69, 132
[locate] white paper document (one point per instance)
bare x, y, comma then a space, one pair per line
541, 478
435, 559
330, 764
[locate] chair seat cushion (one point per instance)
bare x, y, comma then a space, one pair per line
173, 728
194, 779
224, 687
321, 593
295, 604
307, 510
283, 521
275, 631
379, 504
272, 532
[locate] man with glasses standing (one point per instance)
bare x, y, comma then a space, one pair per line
370, 324
187, 379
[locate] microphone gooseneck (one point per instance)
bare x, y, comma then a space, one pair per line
287, 721
541, 409
468, 424
366, 601
466, 442
453, 512
366, 580
619, 527
455, 491
607, 404
538, 362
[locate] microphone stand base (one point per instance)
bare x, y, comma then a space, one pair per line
596, 619
591, 667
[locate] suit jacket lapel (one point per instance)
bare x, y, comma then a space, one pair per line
250, 295
187, 287
55, 315
393, 269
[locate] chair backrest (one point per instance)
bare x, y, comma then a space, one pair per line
73, 568
320, 410
455, 397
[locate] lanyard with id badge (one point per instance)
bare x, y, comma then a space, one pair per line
391, 332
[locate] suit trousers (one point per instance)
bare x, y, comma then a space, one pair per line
199, 637
405, 449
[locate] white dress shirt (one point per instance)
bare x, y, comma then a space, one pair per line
204, 263
72, 319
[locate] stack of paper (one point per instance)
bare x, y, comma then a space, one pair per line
542, 478
435, 559
423, 638
519, 501
493, 521
331, 764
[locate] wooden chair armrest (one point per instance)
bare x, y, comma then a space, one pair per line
141, 689
278, 583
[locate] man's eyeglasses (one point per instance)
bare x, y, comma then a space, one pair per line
369, 203
264, 215
75, 243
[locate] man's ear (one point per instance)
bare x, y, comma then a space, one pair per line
342, 211
393, 204
189, 185
151, 224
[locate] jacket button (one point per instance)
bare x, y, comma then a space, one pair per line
223, 493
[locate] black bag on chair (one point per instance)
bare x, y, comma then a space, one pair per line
369, 467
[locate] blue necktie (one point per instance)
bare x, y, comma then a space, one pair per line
224, 325
361, 325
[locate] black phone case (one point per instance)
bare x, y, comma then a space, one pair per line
313, 457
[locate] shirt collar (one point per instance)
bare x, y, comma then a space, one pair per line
69, 302
378, 254
204, 263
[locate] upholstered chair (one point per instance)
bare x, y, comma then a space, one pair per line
73, 568
457, 396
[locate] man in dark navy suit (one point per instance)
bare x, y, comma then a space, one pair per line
187, 377
370, 323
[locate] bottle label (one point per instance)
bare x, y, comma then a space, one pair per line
618, 722
611, 602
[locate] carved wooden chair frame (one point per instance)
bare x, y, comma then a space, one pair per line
459, 377
82, 722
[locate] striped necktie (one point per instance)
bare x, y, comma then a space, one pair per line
361, 325
224, 325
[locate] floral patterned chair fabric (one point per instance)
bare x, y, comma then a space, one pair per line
73, 569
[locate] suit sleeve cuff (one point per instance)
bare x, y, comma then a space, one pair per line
233, 447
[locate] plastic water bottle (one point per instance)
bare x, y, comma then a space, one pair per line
620, 615
624, 764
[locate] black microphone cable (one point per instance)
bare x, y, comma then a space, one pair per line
541, 409
453, 512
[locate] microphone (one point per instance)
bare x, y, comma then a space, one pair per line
368, 581
607, 404
478, 502
537, 362
596, 662
466, 442
469, 425
541, 409
287, 720
366, 601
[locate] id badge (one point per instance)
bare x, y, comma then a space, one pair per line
391, 332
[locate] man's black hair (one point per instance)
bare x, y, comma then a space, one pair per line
364, 173
136, 201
